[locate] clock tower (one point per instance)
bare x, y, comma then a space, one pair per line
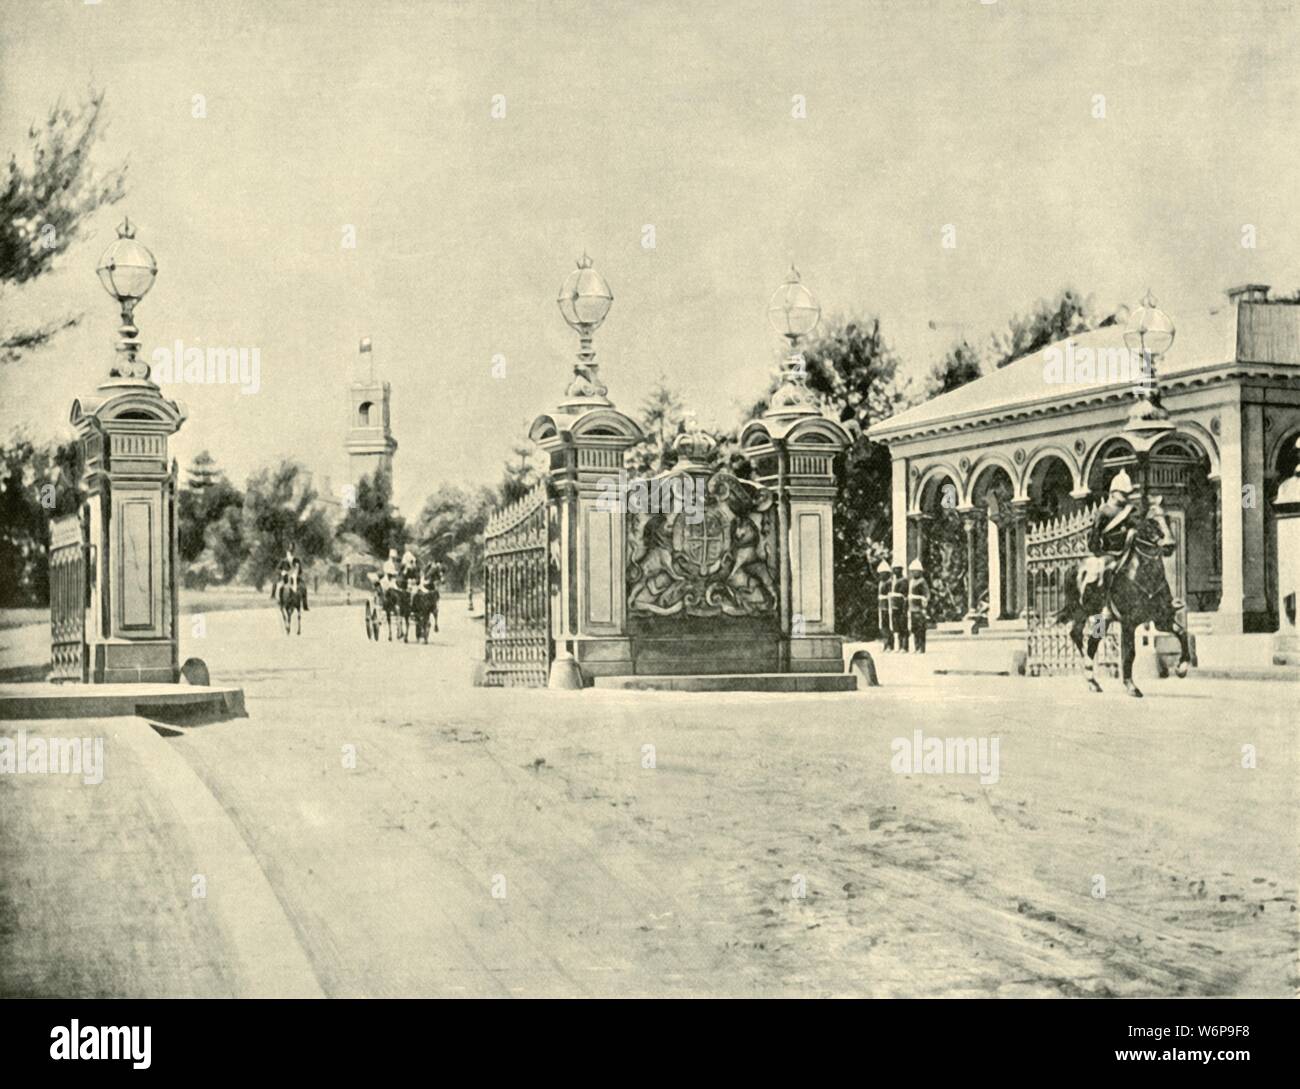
370, 443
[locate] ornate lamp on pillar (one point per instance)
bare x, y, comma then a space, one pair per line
128, 516
585, 438
793, 447
1149, 334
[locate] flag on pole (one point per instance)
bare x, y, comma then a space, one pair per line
365, 344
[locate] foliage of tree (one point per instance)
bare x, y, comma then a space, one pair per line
201, 501
1069, 314
37, 483
373, 518
961, 364
521, 472
281, 507
450, 530
663, 418
45, 200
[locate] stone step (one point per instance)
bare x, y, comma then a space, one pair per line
181, 704
733, 682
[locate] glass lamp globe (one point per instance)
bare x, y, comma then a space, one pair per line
793, 311
585, 298
1150, 330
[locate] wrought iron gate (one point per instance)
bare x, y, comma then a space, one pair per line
68, 599
1053, 551
517, 593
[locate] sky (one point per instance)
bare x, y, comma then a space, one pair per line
378, 116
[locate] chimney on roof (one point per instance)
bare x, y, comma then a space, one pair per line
1255, 293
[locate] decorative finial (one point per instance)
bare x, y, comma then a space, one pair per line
126, 230
1149, 300
793, 277
584, 261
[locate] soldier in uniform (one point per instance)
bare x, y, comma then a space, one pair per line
1113, 528
884, 582
290, 570
898, 608
918, 604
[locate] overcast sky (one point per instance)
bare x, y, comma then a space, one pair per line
618, 116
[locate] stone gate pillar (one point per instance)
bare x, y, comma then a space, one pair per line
793, 448
585, 438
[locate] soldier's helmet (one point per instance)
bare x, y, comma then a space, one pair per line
1120, 482
915, 565
882, 568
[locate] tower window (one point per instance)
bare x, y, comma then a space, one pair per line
365, 414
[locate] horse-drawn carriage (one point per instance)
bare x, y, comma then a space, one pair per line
409, 599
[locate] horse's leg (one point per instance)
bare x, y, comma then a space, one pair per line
299, 614
1095, 637
1128, 652
1184, 646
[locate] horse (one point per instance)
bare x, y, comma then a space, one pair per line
290, 595
424, 606
396, 602
1136, 592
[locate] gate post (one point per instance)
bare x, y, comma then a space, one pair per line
585, 438
793, 449
129, 505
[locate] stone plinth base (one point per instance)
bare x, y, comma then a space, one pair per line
132, 663
734, 682
176, 703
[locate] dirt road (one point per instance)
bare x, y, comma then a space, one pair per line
423, 837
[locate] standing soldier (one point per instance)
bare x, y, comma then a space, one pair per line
898, 608
884, 580
918, 604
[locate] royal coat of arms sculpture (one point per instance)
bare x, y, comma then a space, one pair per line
703, 543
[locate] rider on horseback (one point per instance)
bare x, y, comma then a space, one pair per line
410, 566
1114, 527
290, 571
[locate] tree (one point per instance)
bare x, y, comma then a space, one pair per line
662, 419
45, 202
856, 375
521, 473
1067, 315
37, 483
281, 507
450, 529
960, 365
202, 501
373, 518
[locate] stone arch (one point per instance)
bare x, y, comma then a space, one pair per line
1040, 455
1095, 474
931, 475
981, 467
1050, 481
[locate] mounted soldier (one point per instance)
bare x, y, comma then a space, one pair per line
391, 567
898, 608
1114, 528
290, 571
918, 604
884, 582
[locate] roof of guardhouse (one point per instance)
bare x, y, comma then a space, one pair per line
1203, 341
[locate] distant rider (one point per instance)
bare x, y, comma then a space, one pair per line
290, 571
